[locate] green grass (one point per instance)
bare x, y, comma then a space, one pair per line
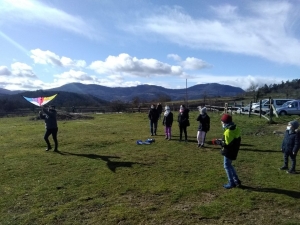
100, 175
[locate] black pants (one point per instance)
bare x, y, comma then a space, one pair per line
52, 131
286, 160
182, 129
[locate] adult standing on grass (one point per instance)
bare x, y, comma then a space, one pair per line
153, 118
49, 115
183, 122
290, 146
204, 126
230, 147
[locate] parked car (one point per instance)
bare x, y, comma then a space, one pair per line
265, 105
246, 108
292, 108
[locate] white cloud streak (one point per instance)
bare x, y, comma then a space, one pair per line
261, 33
47, 57
35, 12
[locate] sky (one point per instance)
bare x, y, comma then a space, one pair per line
170, 43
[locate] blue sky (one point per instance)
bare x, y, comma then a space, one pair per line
121, 43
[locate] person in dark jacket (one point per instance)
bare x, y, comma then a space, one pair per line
49, 115
290, 146
230, 147
153, 118
167, 122
204, 126
183, 121
159, 110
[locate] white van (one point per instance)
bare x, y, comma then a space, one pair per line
265, 104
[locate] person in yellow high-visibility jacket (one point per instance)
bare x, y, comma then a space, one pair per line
230, 147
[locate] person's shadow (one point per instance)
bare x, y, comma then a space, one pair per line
112, 165
293, 194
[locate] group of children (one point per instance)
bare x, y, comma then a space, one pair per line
230, 143
183, 122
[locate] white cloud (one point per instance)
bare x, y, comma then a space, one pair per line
20, 77
4, 71
22, 70
74, 76
35, 12
131, 66
47, 57
174, 56
191, 63
243, 82
259, 32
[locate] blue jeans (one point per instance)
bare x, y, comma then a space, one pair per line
153, 127
230, 171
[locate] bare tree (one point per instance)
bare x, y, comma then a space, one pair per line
253, 90
205, 96
118, 106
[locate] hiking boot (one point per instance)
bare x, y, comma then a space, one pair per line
291, 171
283, 168
49, 148
229, 185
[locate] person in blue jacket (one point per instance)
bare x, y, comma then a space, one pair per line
290, 146
49, 116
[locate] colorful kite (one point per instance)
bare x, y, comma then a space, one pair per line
39, 101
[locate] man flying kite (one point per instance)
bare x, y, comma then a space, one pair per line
49, 116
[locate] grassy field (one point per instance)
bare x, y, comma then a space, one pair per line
100, 175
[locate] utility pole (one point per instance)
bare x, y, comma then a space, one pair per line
186, 98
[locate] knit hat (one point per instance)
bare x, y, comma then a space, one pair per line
294, 124
203, 110
226, 118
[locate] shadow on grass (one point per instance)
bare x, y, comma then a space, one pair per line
110, 164
293, 194
257, 150
246, 145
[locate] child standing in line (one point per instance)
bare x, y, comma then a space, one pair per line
167, 122
204, 125
183, 122
290, 146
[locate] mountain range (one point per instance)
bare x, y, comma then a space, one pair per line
143, 92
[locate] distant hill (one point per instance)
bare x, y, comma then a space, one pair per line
64, 99
150, 92
8, 92
82, 94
